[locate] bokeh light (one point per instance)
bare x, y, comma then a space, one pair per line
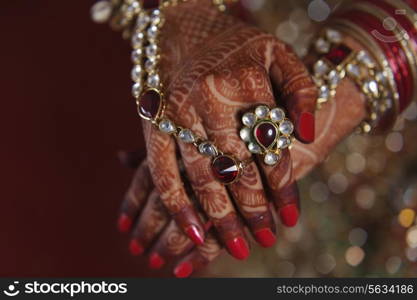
406, 217
411, 237
354, 256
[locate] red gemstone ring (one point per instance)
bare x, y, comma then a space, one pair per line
267, 132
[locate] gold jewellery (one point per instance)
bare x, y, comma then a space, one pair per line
144, 28
338, 61
267, 132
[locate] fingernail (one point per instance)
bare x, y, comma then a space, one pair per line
289, 215
238, 248
183, 270
135, 248
124, 223
265, 237
306, 127
156, 261
194, 234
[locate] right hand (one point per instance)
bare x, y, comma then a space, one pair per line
215, 68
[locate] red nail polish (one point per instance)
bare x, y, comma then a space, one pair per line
238, 248
183, 270
289, 215
135, 248
194, 235
265, 237
156, 261
124, 223
306, 127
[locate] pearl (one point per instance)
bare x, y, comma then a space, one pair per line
249, 119
152, 32
136, 73
334, 36
137, 40
322, 46
142, 21
245, 134
153, 80
136, 89
150, 65
101, 11
151, 50
167, 126
271, 158
283, 142
254, 148
136, 56
206, 148
277, 114
320, 68
286, 127
186, 135
261, 111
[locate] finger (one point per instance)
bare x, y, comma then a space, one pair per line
198, 258
246, 89
135, 197
214, 200
253, 205
172, 243
283, 189
296, 88
131, 159
279, 178
167, 179
248, 191
152, 220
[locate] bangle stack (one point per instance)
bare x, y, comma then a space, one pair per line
388, 29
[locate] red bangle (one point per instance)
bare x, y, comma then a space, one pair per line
404, 22
412, 4
392, 51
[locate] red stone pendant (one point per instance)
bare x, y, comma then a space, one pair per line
225, 169
266, 134
338, 54
149, 104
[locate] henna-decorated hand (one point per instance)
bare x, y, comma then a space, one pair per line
154, 230
157, 233
214, 69
337, 119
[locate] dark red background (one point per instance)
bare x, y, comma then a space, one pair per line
66, 111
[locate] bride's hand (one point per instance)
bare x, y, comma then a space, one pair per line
215, 68
164, 243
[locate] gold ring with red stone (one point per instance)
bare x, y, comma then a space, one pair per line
267, 132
